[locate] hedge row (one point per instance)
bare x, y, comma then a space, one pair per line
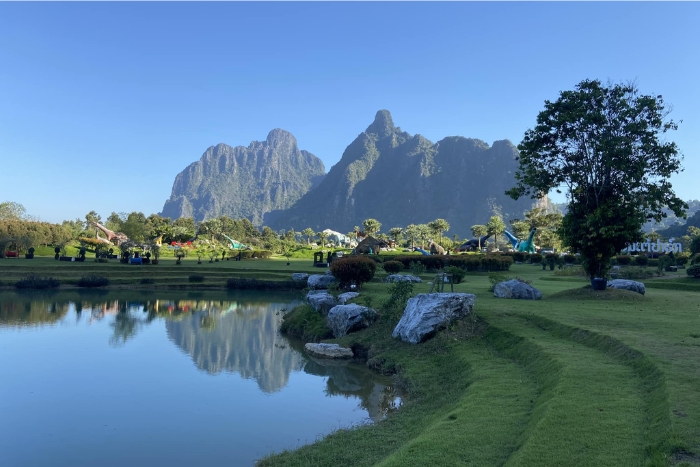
239, 283
469, 262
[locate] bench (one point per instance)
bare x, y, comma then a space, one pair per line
136, 261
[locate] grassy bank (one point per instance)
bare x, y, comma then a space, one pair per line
577, 378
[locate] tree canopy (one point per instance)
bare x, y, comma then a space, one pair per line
604, 145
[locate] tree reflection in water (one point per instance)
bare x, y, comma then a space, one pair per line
219, 335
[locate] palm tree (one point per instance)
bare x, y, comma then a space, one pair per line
309, 232
479, 230
322, 236
412, 233
423, 233
396, 233
371, 226
495, 226
438, 226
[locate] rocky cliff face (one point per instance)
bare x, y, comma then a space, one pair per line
401, 179
245, 182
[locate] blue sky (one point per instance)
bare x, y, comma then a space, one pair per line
102, 104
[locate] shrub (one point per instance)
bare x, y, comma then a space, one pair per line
399, 293
693, 271
641, 260
147, 280
664, 263
570, 259
457, 274
496, 278
305, 323
353, 269
31, 250
417, 268
551, 260
571, 272
535, 258
623, 260
696, 259
93, 280
196, 278
431, 262
250, 254
682, 259
37, 282
496, 262
392, 267
519, 257
635, 273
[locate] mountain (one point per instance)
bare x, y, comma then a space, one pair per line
245, 182
400, 179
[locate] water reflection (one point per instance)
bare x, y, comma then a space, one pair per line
240, 338
224, 335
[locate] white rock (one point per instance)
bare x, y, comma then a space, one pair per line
402, 278
625, 284
328, 351
343, 298
320, 281
516, 289
343, 319
427, 313
300, 276
321, 301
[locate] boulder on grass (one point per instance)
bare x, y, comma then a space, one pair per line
321, 301
402, 278
343, 298
320, 281
328, 351
300, 276
425, 314
625, 284
343, 319
516, 289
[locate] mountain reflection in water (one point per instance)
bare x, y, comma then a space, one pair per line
234, 336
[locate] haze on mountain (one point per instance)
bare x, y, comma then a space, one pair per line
400, 179
244, 182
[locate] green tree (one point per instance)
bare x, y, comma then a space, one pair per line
9, 210
495, 226
438, 226
91, 217
371, 226
322, 235
412, 234
603, 145
479, 230
309, 232
396, 233
184, 229
693, 231
423, 234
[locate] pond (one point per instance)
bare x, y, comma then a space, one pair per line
114, 378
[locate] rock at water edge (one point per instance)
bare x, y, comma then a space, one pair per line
427, 313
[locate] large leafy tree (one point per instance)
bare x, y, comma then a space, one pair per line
603, 145
10, 210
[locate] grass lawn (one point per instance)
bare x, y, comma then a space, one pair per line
579, 378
